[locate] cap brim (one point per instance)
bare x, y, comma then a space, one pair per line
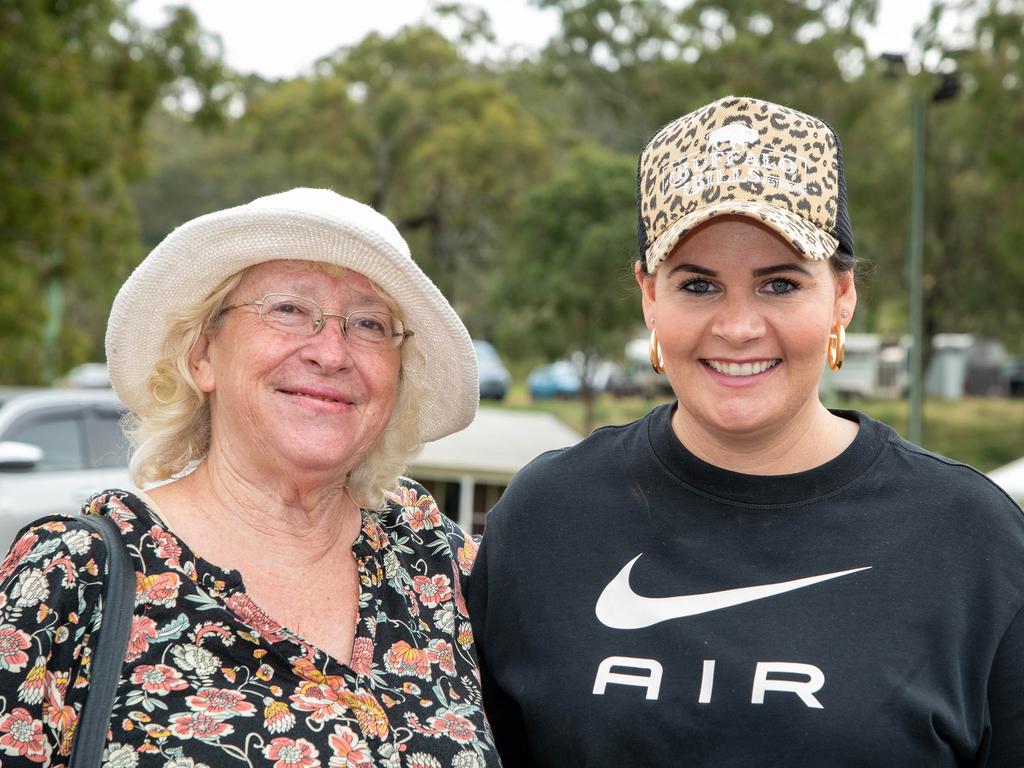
195, 258
806, 239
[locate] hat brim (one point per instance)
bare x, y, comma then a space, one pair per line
806, 239
196, 257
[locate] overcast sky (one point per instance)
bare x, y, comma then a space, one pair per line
282, 39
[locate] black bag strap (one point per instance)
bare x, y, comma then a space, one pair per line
110, 644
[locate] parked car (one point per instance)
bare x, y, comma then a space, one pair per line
562, 377
494, 376
87, 376
553, 380
1015, 377
636, 377
57, 447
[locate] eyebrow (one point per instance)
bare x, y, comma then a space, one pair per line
357, 298
760, 272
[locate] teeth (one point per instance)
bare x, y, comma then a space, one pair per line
314, 397
742, 369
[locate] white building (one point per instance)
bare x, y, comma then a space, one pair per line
1010, 477
467, 472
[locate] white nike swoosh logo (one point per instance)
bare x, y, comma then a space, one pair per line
619, 607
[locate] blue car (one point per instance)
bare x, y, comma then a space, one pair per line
554, 380
494, 376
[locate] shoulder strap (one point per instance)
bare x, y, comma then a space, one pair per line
109, 648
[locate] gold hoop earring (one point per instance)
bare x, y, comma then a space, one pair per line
654, 351
836, 347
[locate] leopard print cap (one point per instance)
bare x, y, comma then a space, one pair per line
748, 157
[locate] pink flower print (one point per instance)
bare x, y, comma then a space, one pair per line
362, 656
432, 590
143, 630
166, 546
368, 712
460, 600
453, 726
33, 687
243, 606
59, 716
13, 643
350, 751
376, 537
323, 701
467, 554
465, 636
157, 588
277, 718
419, 513
119, 513
158, 678
292, 753
198, 725
23, 736
21, 548
442, 654
403, 659
214, 628
221, 703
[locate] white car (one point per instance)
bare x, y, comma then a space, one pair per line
57, 448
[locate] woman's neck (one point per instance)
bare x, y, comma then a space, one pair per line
234, 522
804, 440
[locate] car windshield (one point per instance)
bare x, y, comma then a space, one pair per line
9, 393
485, 350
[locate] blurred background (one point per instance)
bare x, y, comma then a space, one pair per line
502, 140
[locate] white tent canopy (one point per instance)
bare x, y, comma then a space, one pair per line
1010, 477
497, 444
489, 452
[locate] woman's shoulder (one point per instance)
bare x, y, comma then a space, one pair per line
118, 504
410, 506
952, 477
55, 566
412, 519
69, 542
64, 539
929, 479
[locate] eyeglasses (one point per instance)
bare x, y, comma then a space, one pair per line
304, 317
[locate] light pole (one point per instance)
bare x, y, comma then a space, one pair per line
915, 263
947, 88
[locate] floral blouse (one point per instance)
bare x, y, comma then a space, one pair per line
210, 680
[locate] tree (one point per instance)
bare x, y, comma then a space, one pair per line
403, 123
974, 276
79, 79
566, 285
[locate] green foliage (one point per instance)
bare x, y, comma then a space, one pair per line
403, 123
974, 278
79, 79
512, 179
565, 283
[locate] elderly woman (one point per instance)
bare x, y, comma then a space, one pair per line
298, 603
744, 577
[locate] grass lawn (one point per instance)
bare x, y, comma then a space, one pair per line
983, 432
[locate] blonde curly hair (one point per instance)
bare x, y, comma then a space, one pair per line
174, 434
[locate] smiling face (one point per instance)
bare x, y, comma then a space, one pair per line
743, 322
294, 404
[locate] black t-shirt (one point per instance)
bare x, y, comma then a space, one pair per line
636, 606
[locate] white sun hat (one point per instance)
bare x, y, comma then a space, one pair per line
301, 224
